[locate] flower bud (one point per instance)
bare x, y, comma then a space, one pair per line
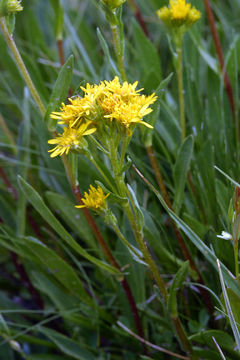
113, 4
8, 7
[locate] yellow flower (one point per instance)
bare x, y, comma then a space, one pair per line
179, 13
130, 113
124, 105
95, 200
72, 114
179, 9
70, 139
110, 100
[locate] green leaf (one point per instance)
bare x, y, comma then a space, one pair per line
67, 345
147, 57
59, 18
63, 272
72, 217
200, 245
180, 171
229, 309
59, 92
24, 157
176, 284
107, 53
38, 203
222, 338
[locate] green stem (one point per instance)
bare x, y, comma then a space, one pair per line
180, 85
125, 241
118, 50
135, 224
125, 143
101, 172
21, 66
183, 338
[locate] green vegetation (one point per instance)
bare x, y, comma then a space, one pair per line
145, 264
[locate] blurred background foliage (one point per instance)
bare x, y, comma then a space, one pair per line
72, 307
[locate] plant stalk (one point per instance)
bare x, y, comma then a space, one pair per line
118, 50
136, 227
133, 221
21, 66
180, 87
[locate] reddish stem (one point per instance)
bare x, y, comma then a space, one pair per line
61, 51
139, 18
9, 186
216, 39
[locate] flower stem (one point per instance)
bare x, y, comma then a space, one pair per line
21, 66
180, 86
134, 222
118, 50
125, 241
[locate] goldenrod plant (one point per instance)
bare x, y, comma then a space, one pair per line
179, 16
95, 261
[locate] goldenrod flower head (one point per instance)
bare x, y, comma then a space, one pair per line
70, 139
10, 6
124, 105
95, 200
72, 114
113, 4
119, 104
179, 13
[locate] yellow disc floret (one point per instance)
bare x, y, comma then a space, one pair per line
95, 199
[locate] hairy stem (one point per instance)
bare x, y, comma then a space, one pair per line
118, 50
21, 66
180, 87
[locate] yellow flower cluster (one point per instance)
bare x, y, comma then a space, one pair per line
179, 13
95, 200
8, 7
106, 104
121, 104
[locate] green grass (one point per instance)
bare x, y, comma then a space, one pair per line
60, 296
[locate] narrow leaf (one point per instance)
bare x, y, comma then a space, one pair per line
176, 284
59, 92
180, 171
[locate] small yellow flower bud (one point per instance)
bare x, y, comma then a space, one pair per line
113, 4
7, 7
